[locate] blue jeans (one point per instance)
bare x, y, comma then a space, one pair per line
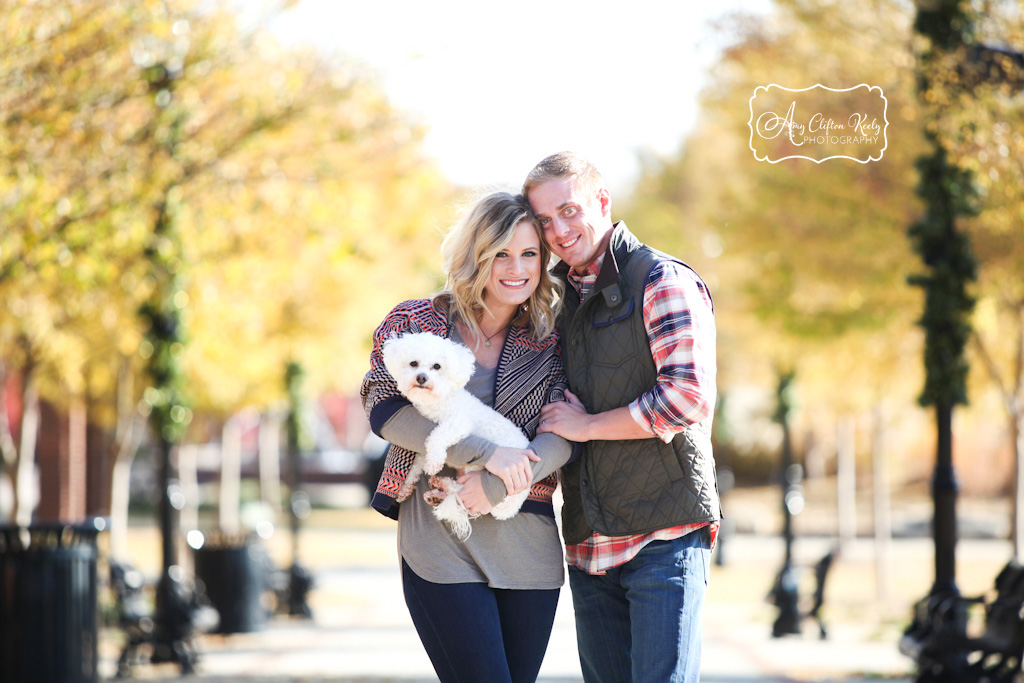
641, 621
477, 634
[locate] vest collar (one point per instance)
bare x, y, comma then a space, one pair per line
621, 243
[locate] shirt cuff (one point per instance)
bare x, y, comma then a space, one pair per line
663, 432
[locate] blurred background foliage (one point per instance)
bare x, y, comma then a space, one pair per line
305, 209
292, 176
810, 262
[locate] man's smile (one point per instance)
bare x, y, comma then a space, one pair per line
570, 243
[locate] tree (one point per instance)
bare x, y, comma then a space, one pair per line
291, 178
807, 261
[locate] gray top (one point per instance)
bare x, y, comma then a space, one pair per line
524, 552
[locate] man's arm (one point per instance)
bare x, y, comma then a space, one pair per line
680, 324
569, 419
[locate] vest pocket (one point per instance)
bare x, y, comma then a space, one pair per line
613, 340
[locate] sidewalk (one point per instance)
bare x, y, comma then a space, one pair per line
361, 632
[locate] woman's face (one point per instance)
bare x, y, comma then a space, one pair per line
515, 271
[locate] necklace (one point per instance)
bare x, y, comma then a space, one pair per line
487, 342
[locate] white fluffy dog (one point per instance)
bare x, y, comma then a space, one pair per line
432, 372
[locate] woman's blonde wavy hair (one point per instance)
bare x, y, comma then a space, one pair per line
485, 228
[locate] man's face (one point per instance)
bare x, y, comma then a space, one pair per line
574, 223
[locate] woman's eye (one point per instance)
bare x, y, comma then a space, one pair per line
529, 253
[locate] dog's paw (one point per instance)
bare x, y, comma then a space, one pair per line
437, 493
433, 465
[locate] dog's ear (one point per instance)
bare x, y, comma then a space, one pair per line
388, 350
461, 363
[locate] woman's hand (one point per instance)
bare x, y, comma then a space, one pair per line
472, 493
568, 419
512, 466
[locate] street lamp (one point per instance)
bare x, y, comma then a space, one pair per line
300, 580
785, 593
163, 347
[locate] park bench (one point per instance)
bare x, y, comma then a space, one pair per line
136, 618
785, 596
939, 639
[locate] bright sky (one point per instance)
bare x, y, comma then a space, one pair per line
501, 85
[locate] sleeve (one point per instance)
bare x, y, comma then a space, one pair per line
553, 450
383, 402
680, 323
379, 393
408, 429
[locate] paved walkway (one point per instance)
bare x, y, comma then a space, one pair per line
361, 632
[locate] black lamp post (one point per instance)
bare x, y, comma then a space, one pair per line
300, 580
950, 267
785, 593
169, 414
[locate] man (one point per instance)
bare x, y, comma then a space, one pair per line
641, 505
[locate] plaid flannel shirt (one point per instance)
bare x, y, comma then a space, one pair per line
679, 318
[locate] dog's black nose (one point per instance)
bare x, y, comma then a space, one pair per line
421, 378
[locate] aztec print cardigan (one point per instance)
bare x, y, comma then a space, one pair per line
529, 375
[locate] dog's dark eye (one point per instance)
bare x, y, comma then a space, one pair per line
436, 366
414, 364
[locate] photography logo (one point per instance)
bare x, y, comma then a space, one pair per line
818, 123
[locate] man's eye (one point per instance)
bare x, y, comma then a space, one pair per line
569, 210
544, 222
436, 366
414, 364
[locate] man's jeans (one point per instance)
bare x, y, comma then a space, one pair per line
641, 622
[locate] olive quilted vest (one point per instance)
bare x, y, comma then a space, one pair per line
619, 488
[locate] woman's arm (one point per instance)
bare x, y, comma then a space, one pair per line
483, 490
408, 429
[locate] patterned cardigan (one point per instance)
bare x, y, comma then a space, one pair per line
529, 374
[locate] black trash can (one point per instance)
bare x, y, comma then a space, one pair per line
48, 616
234, 572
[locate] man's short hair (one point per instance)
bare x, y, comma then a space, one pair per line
584, 174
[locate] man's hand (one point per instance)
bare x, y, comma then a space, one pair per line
568, 419
512, 466
472, 493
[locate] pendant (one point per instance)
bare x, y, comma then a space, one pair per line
487, 343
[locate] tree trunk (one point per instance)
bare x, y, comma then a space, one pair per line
881, 496
131, 425
188, 478
846, 481
1017, 443
25, 491
230, 476
120, 485
8, 449
269, 457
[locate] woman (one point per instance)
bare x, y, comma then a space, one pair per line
483, 607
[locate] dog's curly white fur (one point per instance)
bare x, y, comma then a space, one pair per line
432, 372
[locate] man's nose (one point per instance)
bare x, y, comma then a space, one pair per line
559, 227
